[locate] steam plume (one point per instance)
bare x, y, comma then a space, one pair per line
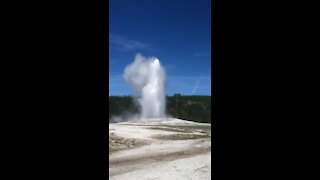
147, 77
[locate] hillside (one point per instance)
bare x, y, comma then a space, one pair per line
195, 108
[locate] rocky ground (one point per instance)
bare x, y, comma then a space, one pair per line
159, 149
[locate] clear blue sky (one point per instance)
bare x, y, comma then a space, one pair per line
178, 32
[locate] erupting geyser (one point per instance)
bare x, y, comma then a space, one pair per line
147, 77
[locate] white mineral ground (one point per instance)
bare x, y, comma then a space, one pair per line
161, 158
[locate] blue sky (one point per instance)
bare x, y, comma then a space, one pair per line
178, 32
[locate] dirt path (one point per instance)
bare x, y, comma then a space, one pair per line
158, 158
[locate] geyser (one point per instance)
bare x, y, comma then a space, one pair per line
147, 77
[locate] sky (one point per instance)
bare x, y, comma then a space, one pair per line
178, 32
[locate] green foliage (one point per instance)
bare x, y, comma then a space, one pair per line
195, 108
121, 104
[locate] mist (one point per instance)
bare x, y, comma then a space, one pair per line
147, 78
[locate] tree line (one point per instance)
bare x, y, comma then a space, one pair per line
194, 108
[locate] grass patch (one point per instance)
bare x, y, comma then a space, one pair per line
181, 136
184, 129
171, 129
117, 143
191, 127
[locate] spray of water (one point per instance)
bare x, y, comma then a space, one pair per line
147, 77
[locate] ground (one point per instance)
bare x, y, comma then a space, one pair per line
159, 149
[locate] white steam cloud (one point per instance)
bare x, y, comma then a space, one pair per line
147, 77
